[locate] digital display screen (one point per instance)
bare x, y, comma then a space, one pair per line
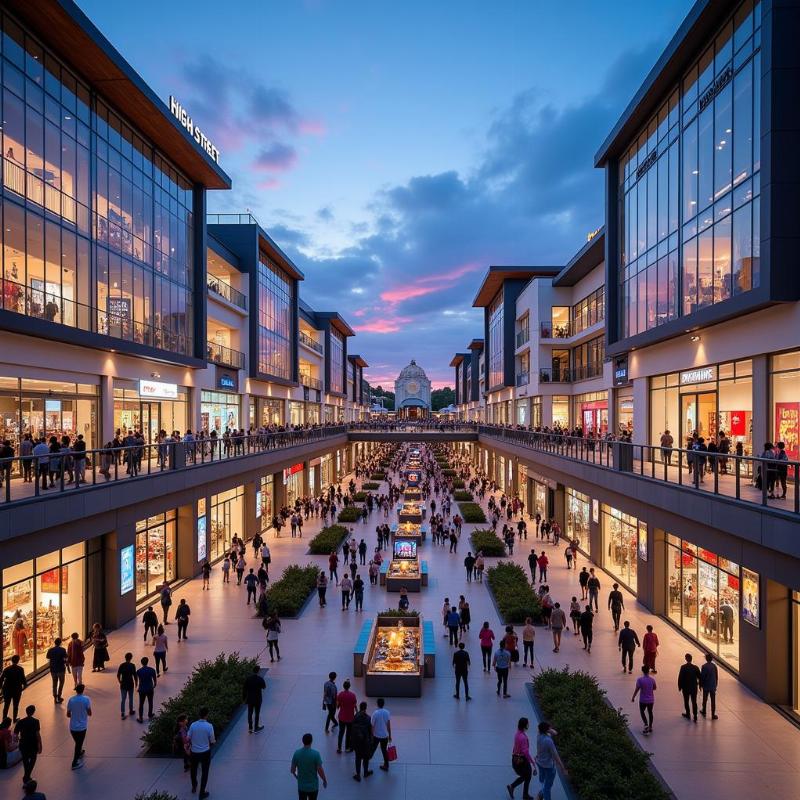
126, 569
405, 549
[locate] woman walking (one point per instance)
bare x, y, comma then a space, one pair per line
100, 643
645, 688
273, 631
486, 637
521, 761
160, 650
322, 588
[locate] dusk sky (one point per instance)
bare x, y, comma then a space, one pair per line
396, 150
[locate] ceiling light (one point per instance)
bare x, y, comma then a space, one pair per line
694, 338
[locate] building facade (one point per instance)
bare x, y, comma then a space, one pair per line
412, 392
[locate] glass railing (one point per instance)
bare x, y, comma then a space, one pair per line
523, 337
37, 186
523, 378
587, 371
558, 331
555, 375
231, 219
308, 341
226, 291
312, 383
227, 356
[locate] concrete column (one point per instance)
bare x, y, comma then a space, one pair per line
641, 411
305, 479
251, 524
762, 413
106, 427
613, 427
194, 409
187, 565
119, 608
547, 411
559, 507
280, 492
244, 420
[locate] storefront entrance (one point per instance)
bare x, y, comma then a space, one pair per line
151, 421
699, 414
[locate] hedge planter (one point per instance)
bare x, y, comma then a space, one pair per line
360, 497
287, 596
488, 543
458, 483
471, 512
462, 496
593, 739
370, 486
328, 540
448, 473
350, 514
378, 476
215, 684
513, 595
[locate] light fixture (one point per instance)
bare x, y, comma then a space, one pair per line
155, 375
694, 338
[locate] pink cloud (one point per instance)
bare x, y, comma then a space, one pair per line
428, 284
269, 184
452, 274
385, 324
277, 157
399, 295
312, 127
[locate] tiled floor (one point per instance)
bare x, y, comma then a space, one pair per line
446, 748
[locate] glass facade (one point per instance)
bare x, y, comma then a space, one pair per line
703, 595
496, 372
561, 410
590, 412
620, 544
336, 362
689, 190
587, 359
220, 411
275, 303
271, 412
785, 393
265, 499
134, 413
155, 552
227, 519
97, 226
589, 311
578, 516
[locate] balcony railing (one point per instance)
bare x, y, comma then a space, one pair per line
67, 471
226, 291
523, 378
308, 341
523, 337
231, 219
312, 383
746, 478
559, 331
226, 356
587, 371
555, 375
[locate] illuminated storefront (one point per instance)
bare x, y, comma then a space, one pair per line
785, 386
271, 412
621, 534
150, 407
293, 481
703, 597
264, 502
220, 411
297, 414
561, 411
227, 520
155, 552
578, 519
590, 412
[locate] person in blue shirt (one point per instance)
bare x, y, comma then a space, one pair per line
148, 680
453, 623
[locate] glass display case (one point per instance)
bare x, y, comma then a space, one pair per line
394, 659
411, 512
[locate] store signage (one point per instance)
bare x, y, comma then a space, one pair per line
180, 113
158, 390
126, 570
293, 470
201, 538
646, 164
702, 375
621, 370
642, 542
226, 382
719, 84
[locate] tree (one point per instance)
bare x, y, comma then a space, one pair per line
379, 394
441, 398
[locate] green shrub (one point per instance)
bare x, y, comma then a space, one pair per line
488, 543
471, 512
360, 497
448, 473
396, 612
370, 486
514, 596
593, 740
215, 684
350, 514
462, 496
378, 476
327, 540
458, 483
287, 595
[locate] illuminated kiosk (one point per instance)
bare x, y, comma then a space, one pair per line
394, 662
412, 494
409, 530
404, 570
411, 512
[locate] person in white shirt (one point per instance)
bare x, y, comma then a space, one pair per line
382, 731
79, 709
201, 738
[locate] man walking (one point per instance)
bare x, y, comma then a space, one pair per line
150, 622
346, 702
201, 739
453, 622
329, 692
583, 580
252, 694
79, 709
586, 623
363, 746
709, 678
346, 586
593, 587
147, 681
57, 658
307, 768
13, 682
616, 604
250, 582
532, 564
382, 731
127, 679
645, 688
650, 648
28, 732
558, 621
688, 682
628, 642
182, 617
501, 662
469, 565
461, 668
166, 601
543, 561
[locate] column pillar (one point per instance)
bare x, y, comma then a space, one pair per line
641, 411
119, 608
251, 523
547, 411
613, 426
194, 409
106, 429
762, 414
244, 419
187, 565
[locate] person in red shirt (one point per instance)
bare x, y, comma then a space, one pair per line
542, 561
347, 703
650, 648
76, 658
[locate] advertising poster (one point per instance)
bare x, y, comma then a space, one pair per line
750, 598
201, 538
258, 503
596, 512
126, 570
642, 542
787, 416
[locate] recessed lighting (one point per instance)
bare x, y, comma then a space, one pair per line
694, 338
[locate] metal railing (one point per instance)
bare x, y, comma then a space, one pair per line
227, 356
523, 378
55, 473
231, 219
523, 336
560, 331
405, 426
747, 478
226, 291
312, 383
555, 375
308, 341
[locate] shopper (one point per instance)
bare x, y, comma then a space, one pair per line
533, 563
586, 621
688, 682
253, 694
201, 740
645, 688
28, 733
147, 680
329, 692
273, 625
127, 679
593, 587
501, 663
346, 703
486, 637
543, 561
521, 760
453, 622
166, 601
100, 647
363, 743
160, 647
469, 565
206, 571
583, 581
57, 659
346, 587
461, 668
12, 683
709, 679
528, 636
150, 622
650, 648
616, 604
628, 641
547, 759
575, 614
79, 709
558, 621
382, 731
251, 583
182, 617
358, 592
322, 588
306, 767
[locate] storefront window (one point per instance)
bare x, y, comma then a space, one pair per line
625, 411
703, 593
293, 480
148, 415
522, 412
496, 374
620, 543
296, 412
312, 413
785, 384
42, 599
266, 502
271, 412
275, 301
590, 412
227, 520
501, 473
561, 411
578, 520
155, 552
219, 411
536, 412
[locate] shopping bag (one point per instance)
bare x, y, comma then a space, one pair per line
391, 753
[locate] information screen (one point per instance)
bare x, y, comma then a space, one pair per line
405, 549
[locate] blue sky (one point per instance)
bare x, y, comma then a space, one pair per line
395, 150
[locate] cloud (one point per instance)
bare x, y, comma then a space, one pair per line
277, 157
325, 214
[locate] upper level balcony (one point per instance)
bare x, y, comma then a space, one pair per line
561, 330
523, 337
226, 291
310, 382
555, 375
523, 378
225, 356
309, 341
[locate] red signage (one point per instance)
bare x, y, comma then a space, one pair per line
293, 470
737, 419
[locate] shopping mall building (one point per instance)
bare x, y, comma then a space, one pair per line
680, 314
126, 307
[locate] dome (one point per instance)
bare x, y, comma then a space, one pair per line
412, 371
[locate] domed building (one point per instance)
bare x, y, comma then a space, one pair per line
412, 392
